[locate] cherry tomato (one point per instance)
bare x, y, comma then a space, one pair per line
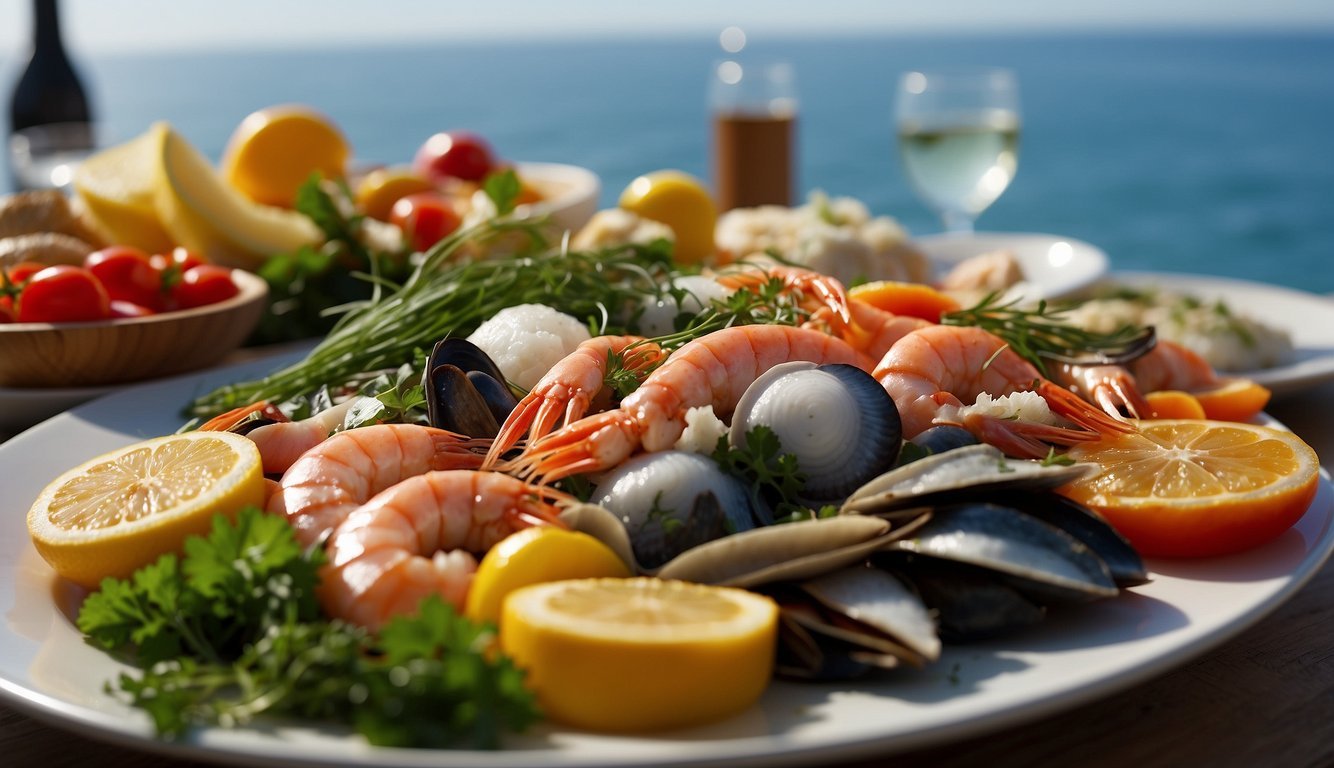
18, 273
425, 218
7, 310
202, 285
183, 259
456, 154
128, 275
129, 309
63, 294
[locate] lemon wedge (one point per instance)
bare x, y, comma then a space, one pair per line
118, 512
640, 654
116, 187
274, 150
203, 213
535, 556
680, 201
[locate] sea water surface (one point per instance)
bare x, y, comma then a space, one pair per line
1201, 152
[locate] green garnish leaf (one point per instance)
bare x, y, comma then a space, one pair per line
774, 477
503, 187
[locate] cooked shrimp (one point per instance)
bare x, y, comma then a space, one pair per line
419, 538
346, 470
711, 370
828, 292
1117, 388
933, 370
568, 389
873, 330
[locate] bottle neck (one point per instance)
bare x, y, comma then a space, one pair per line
46, 25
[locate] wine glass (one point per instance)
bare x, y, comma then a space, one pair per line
959, 140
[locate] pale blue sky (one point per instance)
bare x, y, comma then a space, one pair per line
119, 25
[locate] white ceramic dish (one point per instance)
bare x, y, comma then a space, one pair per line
1073, 657
571, 193
1308, 317
1053, 266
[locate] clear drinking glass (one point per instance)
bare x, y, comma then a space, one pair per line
46, 156
958, 136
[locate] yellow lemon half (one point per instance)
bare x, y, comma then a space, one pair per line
203, 213
640, 654
118, 512
273, 152
680, 201
117, 186
535, 556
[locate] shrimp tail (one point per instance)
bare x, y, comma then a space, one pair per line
1067, 404
591, 444
1024, 440
229, 419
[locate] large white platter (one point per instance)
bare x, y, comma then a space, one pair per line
1075, 656
1308, 317
1053, 266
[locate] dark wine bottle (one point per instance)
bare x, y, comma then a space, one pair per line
49, 90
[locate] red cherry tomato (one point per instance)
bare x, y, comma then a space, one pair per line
183, 259
129, 309
7, 310
20, 272
202, 285
63, 294
456, 154
128, 275
426, 218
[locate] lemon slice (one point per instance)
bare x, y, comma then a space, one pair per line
203, 213
535, 556
1191, 487
116, 187
640, 654
120, 511
680, 201
273, 152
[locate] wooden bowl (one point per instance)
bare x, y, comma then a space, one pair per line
130, 349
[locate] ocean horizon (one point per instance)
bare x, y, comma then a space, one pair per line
1201, 152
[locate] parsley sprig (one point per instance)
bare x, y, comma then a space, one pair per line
776, 481
232, 631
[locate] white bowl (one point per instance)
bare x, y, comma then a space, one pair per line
570, 193
1053, 266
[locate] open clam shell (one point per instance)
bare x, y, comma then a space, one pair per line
786, 552
937, 479
876, 599
838, 421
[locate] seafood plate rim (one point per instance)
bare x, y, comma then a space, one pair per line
1075, 656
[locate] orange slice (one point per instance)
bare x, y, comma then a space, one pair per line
1187, 488
1235, 400
1174, 404
899, 298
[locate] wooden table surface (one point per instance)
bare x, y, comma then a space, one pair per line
1264, 698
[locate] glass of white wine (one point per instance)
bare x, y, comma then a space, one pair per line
958, 138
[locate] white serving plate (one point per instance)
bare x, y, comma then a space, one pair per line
1053, 266
1075, 656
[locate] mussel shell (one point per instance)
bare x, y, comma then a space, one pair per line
942, 438
671, 501
464, 355
838, 421
878, 600
969, 603
1043, 562
465, 390
944, 477
1123, 562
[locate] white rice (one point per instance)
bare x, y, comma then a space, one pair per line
527, 340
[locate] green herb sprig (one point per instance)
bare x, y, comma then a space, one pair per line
1041, 333
231, 631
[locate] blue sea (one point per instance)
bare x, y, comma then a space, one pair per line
1184, 152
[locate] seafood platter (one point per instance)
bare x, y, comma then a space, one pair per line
650, 485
